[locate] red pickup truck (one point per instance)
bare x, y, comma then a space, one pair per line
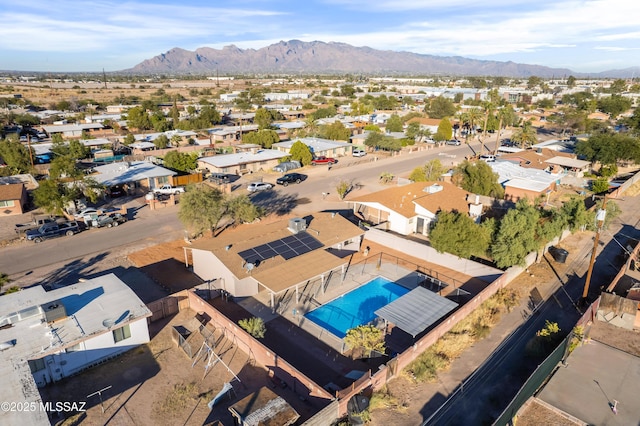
323, 160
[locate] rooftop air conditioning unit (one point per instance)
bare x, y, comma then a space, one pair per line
54, 311
432, 189
297, 225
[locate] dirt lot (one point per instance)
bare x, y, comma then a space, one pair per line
157, 384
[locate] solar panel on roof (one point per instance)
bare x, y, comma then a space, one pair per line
287, 247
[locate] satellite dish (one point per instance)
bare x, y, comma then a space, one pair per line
108, 323
250, 267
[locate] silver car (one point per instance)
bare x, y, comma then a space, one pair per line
259, 186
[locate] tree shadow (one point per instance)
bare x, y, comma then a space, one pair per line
278, 204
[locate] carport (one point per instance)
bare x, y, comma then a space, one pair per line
416, 311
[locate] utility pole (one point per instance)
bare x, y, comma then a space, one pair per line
600, 216
29, 148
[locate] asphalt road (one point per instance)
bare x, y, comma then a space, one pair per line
152, 227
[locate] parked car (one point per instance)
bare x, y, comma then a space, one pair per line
323, 160
455, 142
86, 212
219, 178
116, 191
168, 189
488, 158
108, 221
358, 153
34, 224
290, 178
259, 186
52, 230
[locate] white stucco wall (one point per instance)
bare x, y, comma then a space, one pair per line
208, 267
90, 351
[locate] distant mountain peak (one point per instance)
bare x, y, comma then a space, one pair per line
296, 56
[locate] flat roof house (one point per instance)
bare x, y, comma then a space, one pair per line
136, 174
278, 256
318, 146
46, 336
242, 163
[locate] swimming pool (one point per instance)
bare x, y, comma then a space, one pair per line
356, 307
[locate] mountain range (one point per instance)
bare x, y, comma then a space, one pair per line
317, 57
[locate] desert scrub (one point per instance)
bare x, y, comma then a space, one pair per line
476, 326
383, 399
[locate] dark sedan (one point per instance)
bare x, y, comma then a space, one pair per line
290, 178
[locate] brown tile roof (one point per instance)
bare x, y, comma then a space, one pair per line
401, 199
12, 191
276, 273
533, 158
425, 121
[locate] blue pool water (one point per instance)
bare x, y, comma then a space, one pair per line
356, 307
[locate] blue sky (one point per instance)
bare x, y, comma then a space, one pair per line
91, 35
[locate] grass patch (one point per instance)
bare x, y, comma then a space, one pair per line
474, 327
181, 396
383, 399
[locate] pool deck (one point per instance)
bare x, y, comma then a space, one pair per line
395, 266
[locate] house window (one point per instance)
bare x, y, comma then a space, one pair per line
36, 365
162, 180
74, 348
121, 333
7, 203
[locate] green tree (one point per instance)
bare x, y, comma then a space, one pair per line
445, 130
254, 326
365, 338
4, 280
301, 152
614, 105
609, 148
516, 235
202, 209
138, 118
525, 136
50, 196
129, 139
571, 82
441, 107
394, 123
241, 210
600, 185
161, 142
533, 82
458, 234
342, 188
335, 132
263, 119
478, 178
16, 156
575, 214
265, 138
181, 161
429, 172
618, 86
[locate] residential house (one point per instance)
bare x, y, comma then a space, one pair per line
525, 182
141, 176
278, 256
72, 130
47, 336
13, 199
318, 146
412, 208
241, 163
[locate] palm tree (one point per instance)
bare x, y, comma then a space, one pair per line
471, 117
501, 117
525, 135
488, 109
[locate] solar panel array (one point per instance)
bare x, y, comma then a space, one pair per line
287, 247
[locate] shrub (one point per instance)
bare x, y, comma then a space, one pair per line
254, 326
